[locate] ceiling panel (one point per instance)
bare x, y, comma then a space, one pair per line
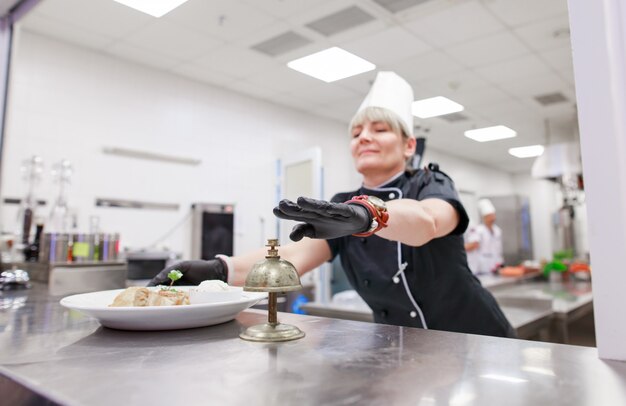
179, 42
558, 58
67, 32
385, 47
427, 65
546, 34
285, 8
534, 85
451, 83
304, 17
101, 17
567, 75
513, 69
488, 50
482, 96
224, 19
326, 93
504, 108
515, 13
235, 61
566, 109
250, 89
452, 25
360, 83
282, 79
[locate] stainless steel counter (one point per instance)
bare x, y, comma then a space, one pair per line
570, 301
527, 319
493, 281
566, 297
70, 359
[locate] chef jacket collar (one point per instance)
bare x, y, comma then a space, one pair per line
394, 188
386, 183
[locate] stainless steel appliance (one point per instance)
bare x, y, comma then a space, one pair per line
212, 230
144, 265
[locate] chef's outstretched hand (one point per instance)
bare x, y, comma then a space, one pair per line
193, 272
322, 219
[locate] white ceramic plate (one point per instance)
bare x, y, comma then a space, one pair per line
96, 304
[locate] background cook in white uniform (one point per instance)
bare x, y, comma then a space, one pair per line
472, 242
489, 237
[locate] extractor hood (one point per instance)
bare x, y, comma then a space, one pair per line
558, 160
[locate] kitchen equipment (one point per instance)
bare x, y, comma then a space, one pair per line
64, 279
31, 169
60, 219
211, 230
14, 279
273, 275
146, 264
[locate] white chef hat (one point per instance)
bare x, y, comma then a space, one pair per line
393, 93
485, 207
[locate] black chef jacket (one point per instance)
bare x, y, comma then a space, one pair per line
429, 286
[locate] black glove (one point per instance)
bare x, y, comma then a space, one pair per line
194, 272
322, 219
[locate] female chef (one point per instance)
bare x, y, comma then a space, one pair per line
399, 235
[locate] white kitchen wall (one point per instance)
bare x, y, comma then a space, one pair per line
471, 176
68, 102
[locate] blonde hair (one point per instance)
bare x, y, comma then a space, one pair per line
380, 114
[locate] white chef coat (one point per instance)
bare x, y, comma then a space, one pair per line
473, 256
490, 249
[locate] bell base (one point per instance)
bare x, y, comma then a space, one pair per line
272, 333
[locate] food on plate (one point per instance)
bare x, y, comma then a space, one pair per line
213, 291
140, 297
165, 297
134, 296
207, 292
214, 285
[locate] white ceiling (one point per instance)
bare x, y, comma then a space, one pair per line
493, 56
7, 5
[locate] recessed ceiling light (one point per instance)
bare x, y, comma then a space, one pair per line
331, 64
155, 8
435, 106
497, 132
527, 152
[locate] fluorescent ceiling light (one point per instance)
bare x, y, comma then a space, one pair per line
435, 106
497, 132
331, 64
504, 378
527, 152
155, 8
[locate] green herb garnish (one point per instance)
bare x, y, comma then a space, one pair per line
174, 276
